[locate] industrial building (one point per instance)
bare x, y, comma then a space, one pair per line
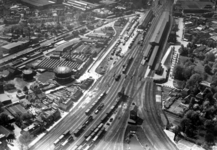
65, 103
14, 47
195, 6
76, 62
5, 99
63, 74
37, 3
28, 74
50, 115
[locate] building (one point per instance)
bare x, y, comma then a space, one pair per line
86, 84
14, 47
185, 92
63, 74
48, 117
98, 35
33, 129
195, 6
12, 19
84, 67
66, 104
37, 3
28, 74
205, 84
5, 99
199, 96
26, 104
4, 134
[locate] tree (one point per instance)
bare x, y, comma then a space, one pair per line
209, 125
194, 80
185, 123
208, 69
11, 137
1, 107
209, 138
18, 119
25, 88
25, 138
178, 72
27, 117
4, 119
188, 71
210, 57
183, 51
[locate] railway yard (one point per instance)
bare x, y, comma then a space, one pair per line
91, 89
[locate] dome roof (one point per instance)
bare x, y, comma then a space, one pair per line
28, 71
62, 70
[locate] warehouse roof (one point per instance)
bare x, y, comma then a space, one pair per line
67, 44
4, 97
196, 5
37, 3
14, 44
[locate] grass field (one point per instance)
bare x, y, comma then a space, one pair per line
45, 77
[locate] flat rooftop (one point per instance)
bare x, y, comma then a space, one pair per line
37, 3
196, 5
14, 44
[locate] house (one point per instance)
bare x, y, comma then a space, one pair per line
34, 129
31, 97
26, 104
185, 92
205, 83
4, 134
65, 104
41, 95
20, 95
48, 117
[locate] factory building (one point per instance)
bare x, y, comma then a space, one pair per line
37, 3
195, 6
66, 104
28, 74
14, 47
63, 74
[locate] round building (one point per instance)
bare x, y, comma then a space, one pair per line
28, 75
63, 74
